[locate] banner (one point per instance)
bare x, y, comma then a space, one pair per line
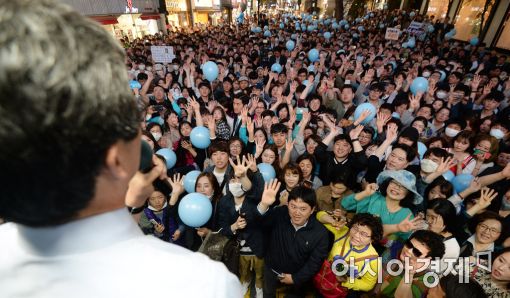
162, 54
392, 33
415, 28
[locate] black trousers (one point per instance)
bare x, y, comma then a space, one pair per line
272, 283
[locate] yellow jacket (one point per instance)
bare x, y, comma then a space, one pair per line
365, 282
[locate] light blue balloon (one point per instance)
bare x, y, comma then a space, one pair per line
293, 36
335, 26
411, 43
313, 55
430, 28
381, 25
267, 171
282, 25
169, 157
200, 137
310, 28
190, 181
395, 115
362, 107
276, 68
361, 28
306, 83
311, 68
474, 41
443, 75
195, 210
412, 14
355, 35
259, 29
266, 28
303, 27
157, 120
267, 33
327, 35
210, 70
290, 45
421, 149
133, 84
404, 45
448, 176
420, 84
461, 182
346, 27
372, 14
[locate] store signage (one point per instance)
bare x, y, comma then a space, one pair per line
162, 54
392, 33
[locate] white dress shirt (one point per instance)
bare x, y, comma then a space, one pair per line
104, 256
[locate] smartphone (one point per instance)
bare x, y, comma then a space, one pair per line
278, 274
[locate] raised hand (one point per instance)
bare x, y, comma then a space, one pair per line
250, 126
354, 133
391, 132
177, 184
252, 162
240, 167
445, 165
370, 189
269, 194
362, 117
211, 123
381, 120
186, 145
475, 82
408, 224
289, 145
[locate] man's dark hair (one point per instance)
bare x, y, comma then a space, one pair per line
439, 152
374, 223
218, 145
433, 241
76, 105
306, 194
279, 128
342, 137
267, 113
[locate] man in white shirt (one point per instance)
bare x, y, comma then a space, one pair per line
67, 159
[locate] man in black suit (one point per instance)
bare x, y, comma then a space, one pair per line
277, 57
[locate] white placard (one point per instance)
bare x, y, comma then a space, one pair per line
392, 33
415, 28
162, 54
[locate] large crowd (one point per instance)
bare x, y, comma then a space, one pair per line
427, 178
383, 187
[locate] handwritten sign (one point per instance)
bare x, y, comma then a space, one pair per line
392, 33
415, 28
162, 54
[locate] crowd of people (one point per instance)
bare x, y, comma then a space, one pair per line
348, 187
364, 203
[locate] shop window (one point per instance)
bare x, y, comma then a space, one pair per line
437, 8
469, 18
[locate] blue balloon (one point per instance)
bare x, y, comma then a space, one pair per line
266, 28
430, 28
327, 35
259, 29
361, 28
372, 14
276, 68
381, 25
290, 45
412, 14
293, 36
404, 45
395, 115
461, 182
474, 41
310, 28
303, 27
355, 35
200, 137
282, 25
311, 68
210, 70
267, 33
411, 43
195, 210
421, 149
420, 84
443, 75
190, 181
362, 107
448, 176
267, 171
157, 120
135, 84
169, 157
313, 55
346, 27
335, 26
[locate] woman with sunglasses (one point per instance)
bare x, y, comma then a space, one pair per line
352, 241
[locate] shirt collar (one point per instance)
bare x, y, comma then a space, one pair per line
297, 228
79, 236
472, 241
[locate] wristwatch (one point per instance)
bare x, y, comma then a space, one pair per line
134, 210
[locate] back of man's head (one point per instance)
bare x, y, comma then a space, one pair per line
64, 102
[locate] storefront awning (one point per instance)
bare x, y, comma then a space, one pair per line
152, 16
105, 20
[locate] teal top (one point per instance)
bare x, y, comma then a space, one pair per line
376, 205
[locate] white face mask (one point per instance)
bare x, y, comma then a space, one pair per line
141, 66
441, 94
497, 133
156, 135
426, 74
428, 166
236, 189
450, 132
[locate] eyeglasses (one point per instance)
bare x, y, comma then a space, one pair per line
355, 229
416, 252
398, 185
491, 230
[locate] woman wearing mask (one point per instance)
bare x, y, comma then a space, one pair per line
156, 131
147, 137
